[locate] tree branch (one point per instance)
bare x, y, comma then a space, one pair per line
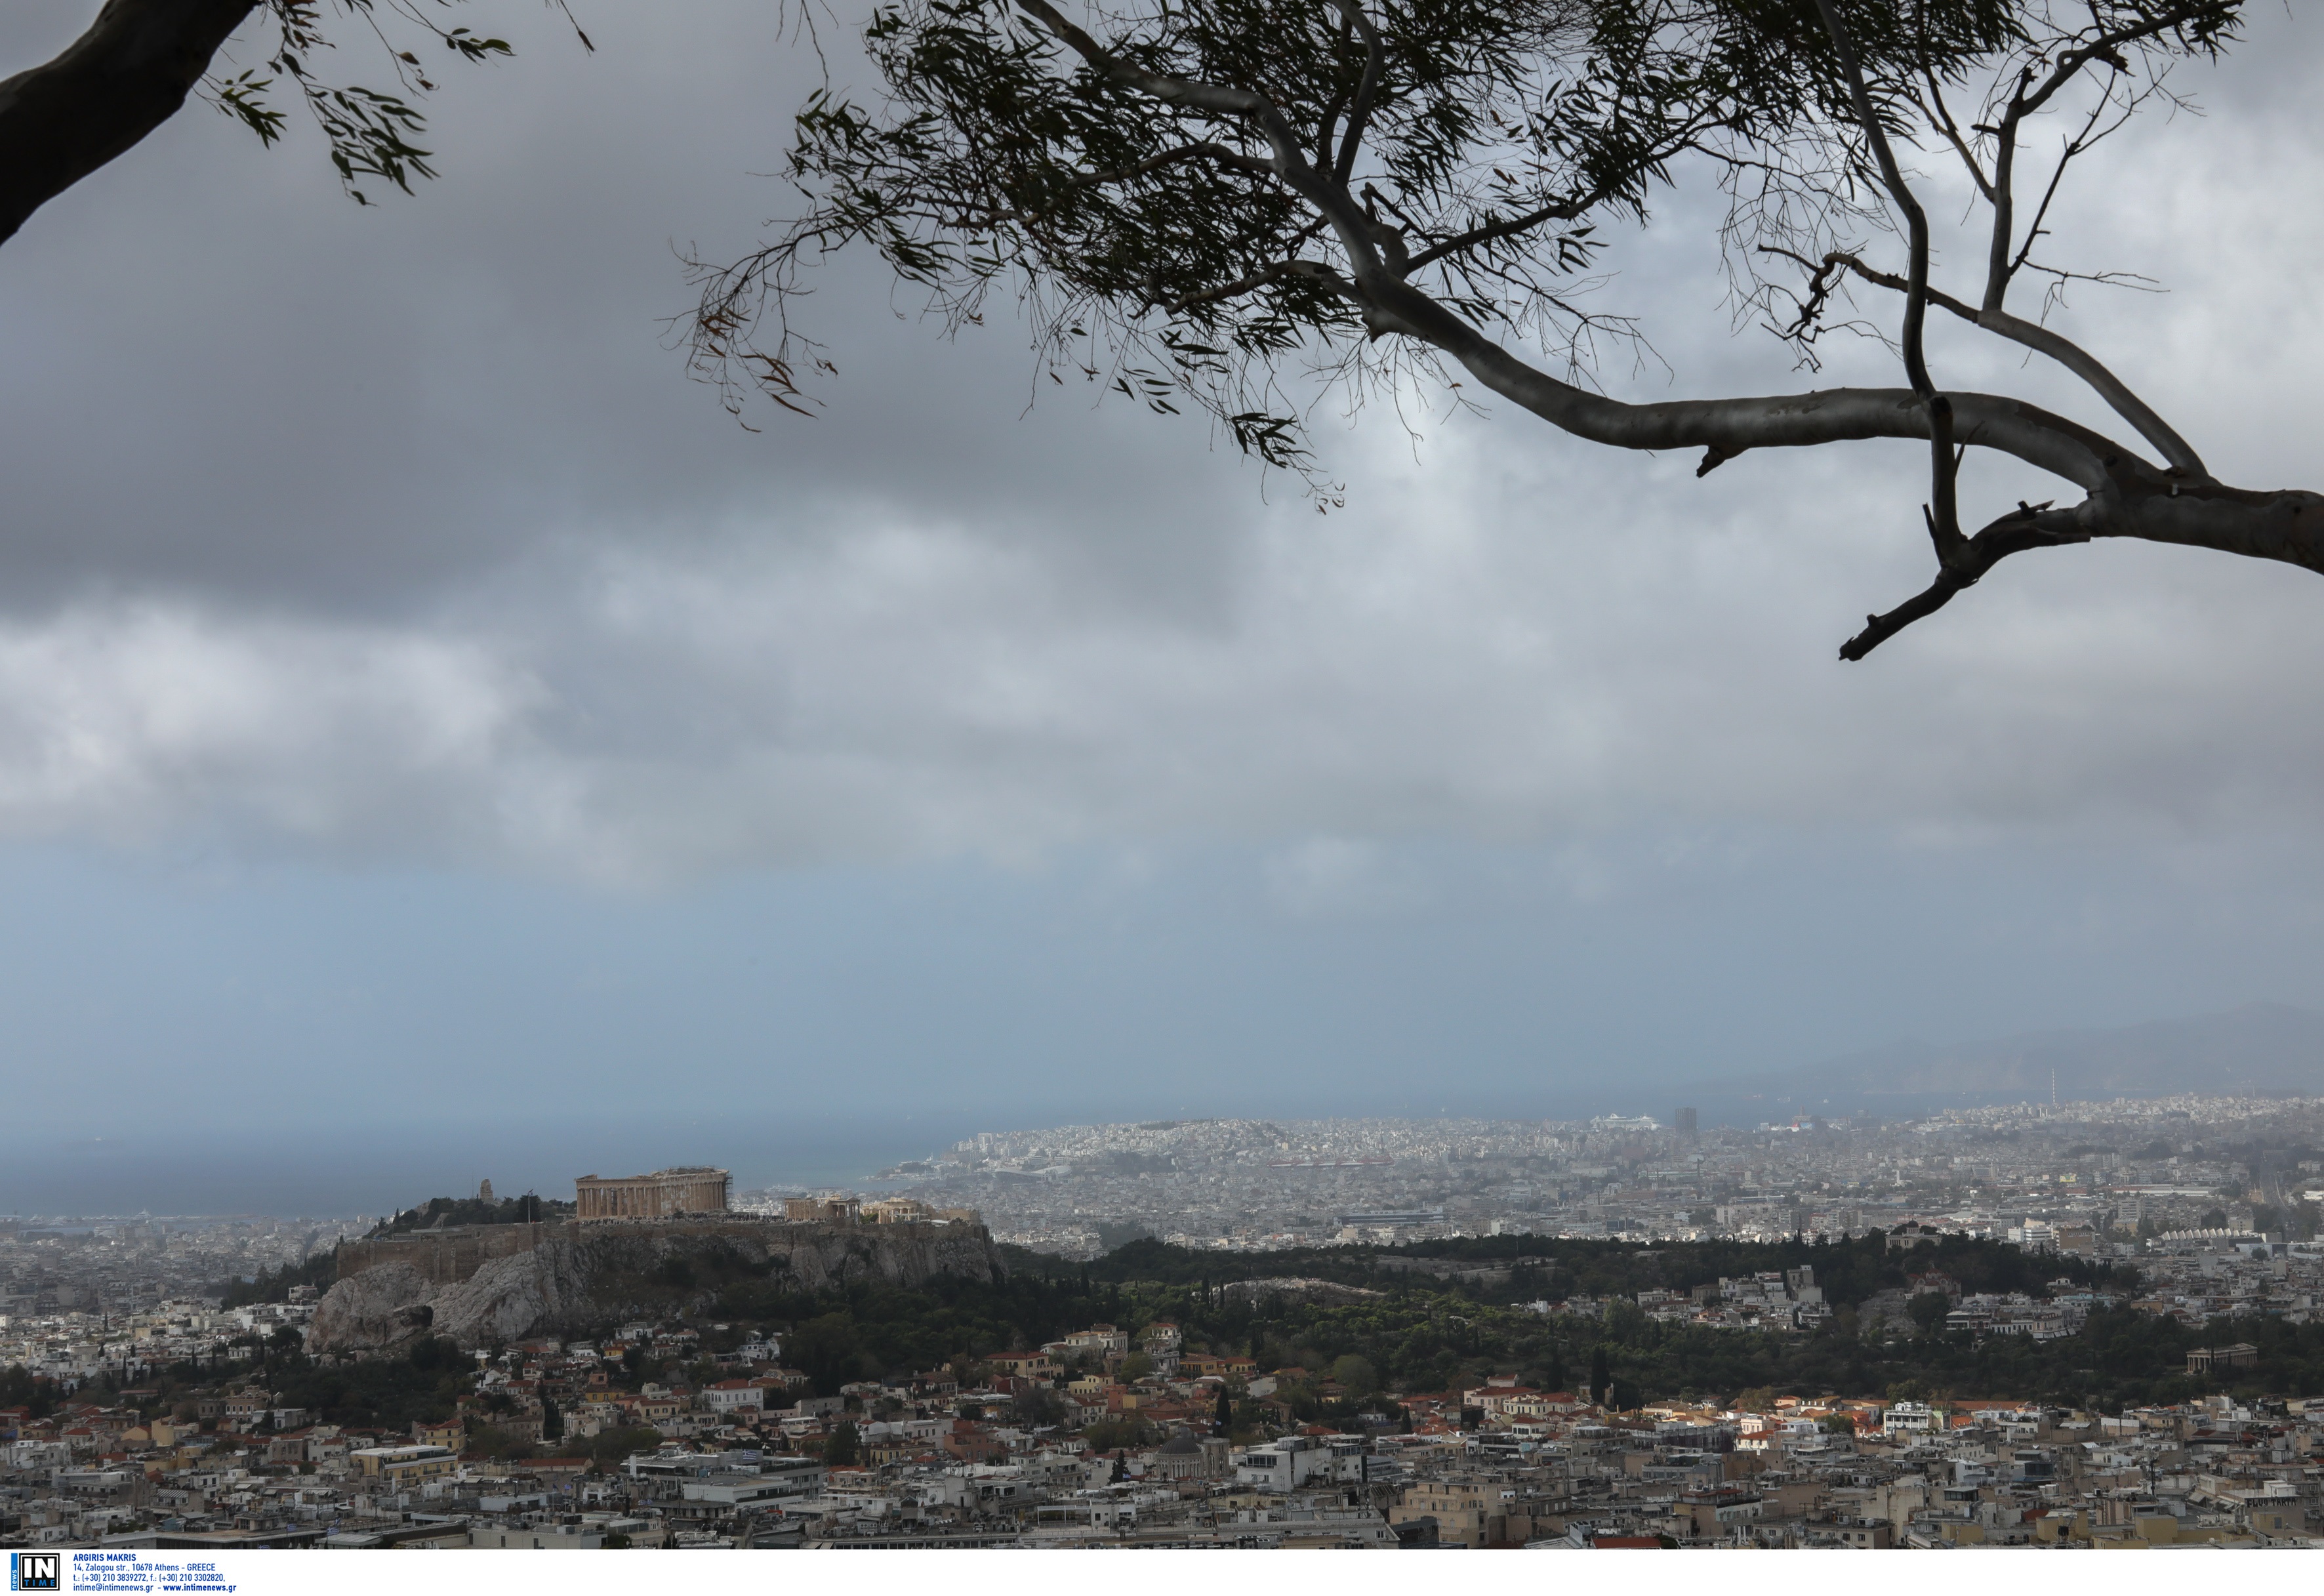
2025, 99
1201, 148
1563, 211
1944, 464
2107, 47
1170, 91
2128, 497
2049, 442
2005, 197
1353, 228
123, 78
2029, 526
1315, 271
1214, 255
1940, 116
2174, 450
2074, 146
1360, 112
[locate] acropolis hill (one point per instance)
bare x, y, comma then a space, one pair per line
482, 1284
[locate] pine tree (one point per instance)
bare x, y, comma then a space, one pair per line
840, 1450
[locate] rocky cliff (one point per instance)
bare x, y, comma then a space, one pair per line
1328, 1293
505, 1282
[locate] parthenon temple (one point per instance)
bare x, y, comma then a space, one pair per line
664, 1194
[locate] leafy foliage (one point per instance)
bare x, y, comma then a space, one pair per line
611, 1446
465, 1211
1112, 1434
319, 1270
1195, 200
368, 132
870, 1330
1424, 1336
36, 1393
680, 1283
425, 1383
1847, 1271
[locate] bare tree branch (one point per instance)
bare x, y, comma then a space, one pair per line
1315, 271
2108, 387
1360, 112
2104, 46
1510, 228
1944, 464
1940, 117
2029, 526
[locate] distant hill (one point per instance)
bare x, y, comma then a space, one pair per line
2263, 1047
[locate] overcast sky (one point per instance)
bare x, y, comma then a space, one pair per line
432, 733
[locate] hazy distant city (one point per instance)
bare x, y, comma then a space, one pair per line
2091, 1173
2082, 1170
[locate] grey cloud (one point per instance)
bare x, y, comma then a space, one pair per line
401, 532
225, 379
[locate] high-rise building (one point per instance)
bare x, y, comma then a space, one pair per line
1686, 1122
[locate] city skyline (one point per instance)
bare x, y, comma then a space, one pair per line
2125, 1285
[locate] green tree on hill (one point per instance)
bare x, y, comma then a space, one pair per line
1928, 1310
320, 1269
442, 1213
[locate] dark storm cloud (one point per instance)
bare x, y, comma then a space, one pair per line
226, 379
402, 530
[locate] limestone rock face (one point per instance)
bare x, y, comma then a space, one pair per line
510, 1297
378, 1307
1328, 1292
479, 1287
